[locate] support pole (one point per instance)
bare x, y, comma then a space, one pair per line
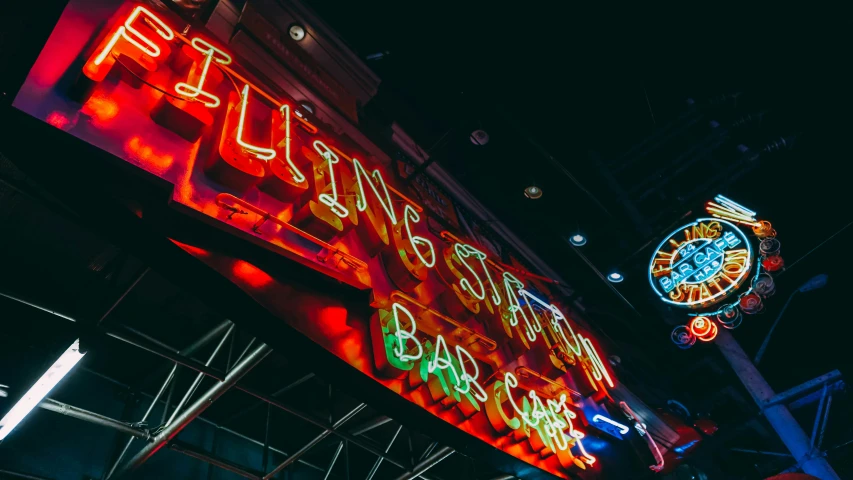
194, 410
786, 426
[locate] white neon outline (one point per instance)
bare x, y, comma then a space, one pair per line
297, 175
361, 198
722, 294
601, 418
464, 251
259, 152
554, 425
515, 308
194, 91
599, 371
415, 240
154, 51
734, 205
467, 378
330, 201
442, 363
404, 335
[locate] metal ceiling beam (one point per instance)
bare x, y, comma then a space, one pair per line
428, 463
199, 406
319, 438
92, 417
170, 354
201, 342
198, 454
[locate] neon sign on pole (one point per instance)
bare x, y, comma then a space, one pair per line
707, 262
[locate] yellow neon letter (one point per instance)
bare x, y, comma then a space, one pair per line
149, 48
331, 201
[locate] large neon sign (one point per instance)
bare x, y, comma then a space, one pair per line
703, 264
455, 331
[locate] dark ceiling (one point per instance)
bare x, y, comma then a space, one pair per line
629, 121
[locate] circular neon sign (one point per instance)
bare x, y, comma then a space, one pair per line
701, 263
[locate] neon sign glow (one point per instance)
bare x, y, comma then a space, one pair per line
708, 261
438, 300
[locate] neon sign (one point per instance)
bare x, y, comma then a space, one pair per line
453, 330
706, 262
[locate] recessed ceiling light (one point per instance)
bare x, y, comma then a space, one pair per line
297, 32
533, 192
577, 240
479, 137
615, 277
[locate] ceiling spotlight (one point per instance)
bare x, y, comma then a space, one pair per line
533, 192
297, 32
577, 240
479, 137
615, 277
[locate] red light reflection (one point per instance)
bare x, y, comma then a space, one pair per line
58, 120
142, 152
101, 109
250, 274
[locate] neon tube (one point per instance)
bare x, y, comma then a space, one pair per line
297, 175
410, 213
622, 428
330, 201
40, 389
153, 50
193, 91
487, 342
223, 200
259, 152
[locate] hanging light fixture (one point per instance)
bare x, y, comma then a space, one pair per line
533, 192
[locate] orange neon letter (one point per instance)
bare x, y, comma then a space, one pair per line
195, 91
298, 177
258, 152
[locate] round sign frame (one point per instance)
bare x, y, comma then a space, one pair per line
711, 268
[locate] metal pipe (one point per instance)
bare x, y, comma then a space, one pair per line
199, 377
772, 327
428, 463
199, 406
760, 452
319, 438
193, 452
21, 475
378, 461
92, 417
37, 307
819, 414
334, 459
123, 295
213, 424
779, 417
824, 422
278, 392
370, 425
